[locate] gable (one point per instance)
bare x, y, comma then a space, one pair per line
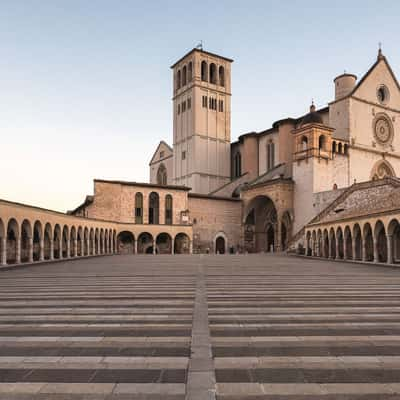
162, 152
379, 74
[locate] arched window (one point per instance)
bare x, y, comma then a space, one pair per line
237, 165
213, 73
304, 143
178, 80
190, 72
340, 148
184, 75
333, 147
138, 208
222, 76
162, 175
168, 210
204, 72
270, 155
322, 142
154, 207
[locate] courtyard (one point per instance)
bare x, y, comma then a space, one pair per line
199, 327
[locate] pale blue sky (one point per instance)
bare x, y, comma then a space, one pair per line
85, 86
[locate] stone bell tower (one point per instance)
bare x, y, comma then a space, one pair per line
202, 120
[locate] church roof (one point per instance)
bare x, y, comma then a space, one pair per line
362, 200
168, 148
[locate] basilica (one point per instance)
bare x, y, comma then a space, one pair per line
323, 184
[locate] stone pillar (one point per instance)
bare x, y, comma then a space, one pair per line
88, 247
30, 250
75, 248
82, 247
68, 248
344, 249
329, 248
172, 246
18, 251
154, 247
135, 245
337, 249
93, 252
51, 249
41, 249
3, 255
389, 239
191, 247
353, 248
364, 250
376, 255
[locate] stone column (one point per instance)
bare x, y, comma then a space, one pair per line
41, 249
154, 247
75, 248
172, 246
353, 248
337, 249
68, 248
329, 248
51, 249
191, 247
344, 249
93, 252
82, 247
376, 255
389, 239
30, 250
18, 251
364, 250
135, 245
3, 255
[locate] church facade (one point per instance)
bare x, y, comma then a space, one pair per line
286, 175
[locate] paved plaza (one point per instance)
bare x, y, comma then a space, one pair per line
200, 327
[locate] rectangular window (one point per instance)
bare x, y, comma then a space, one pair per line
210, 105
168, 217
138, 215
189, 103
221, 105
183, 155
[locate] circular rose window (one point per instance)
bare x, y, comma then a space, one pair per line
383, 130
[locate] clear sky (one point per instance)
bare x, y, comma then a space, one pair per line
85, 86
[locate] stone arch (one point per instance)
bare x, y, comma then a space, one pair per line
220, 243
80, 244
13, 238
322, 143
154, 208
340, 243
182, 244
3, 244
261, 225
308, 243
92, 239
204, 71
332, 242
126, 242
368, 242
145, 243
325, 247
393, 231
26, 241
162, 176
48, 242
163, 243
357, 238
72, 242
213, 73
65, 242
96, 241
340, 146
57, 242
382, 169
303, 143
348, 243
37, 241
380, 241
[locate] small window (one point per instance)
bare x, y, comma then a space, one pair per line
184, 106
213, 73
221, 76
184, 75
205, 101
183, 155
189, 103
204, 72
221, 105
190, 72
178, 80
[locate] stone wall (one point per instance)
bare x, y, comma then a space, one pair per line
212, 217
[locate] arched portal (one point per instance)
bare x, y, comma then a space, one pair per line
48, 240
381, 242
126, 243
261, 225
357, 242
37, 238
348, 243
220, 245
145, 243
57, 242
368, 242
340, 243
26, 236
164, 243
325, 244
394, 232
181, 244
332, 238
12, 242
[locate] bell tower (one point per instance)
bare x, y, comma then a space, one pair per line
201, 120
